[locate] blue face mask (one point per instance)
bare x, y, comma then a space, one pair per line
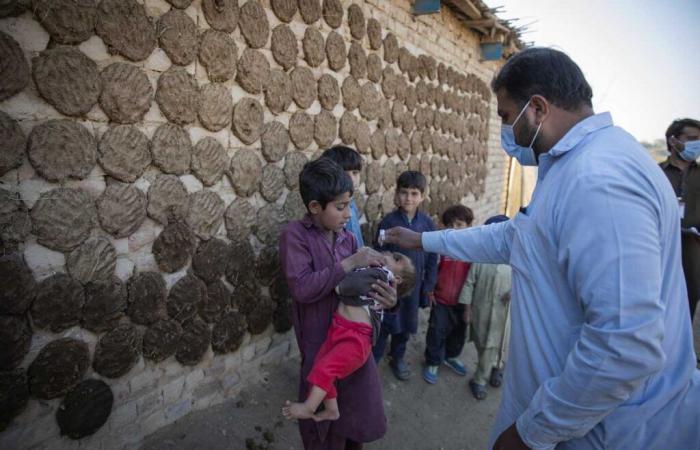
691, 152
524, 155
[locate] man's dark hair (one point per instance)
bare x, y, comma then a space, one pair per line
411, 179
323, 180
546, 72
457, 212
346, 157
677, 126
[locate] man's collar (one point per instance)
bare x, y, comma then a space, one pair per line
666, 164
579, 131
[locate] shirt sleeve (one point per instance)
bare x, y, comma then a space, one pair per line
307, 284
431, 263
484, 244
609, 246
467, 293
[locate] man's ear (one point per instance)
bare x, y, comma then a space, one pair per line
542, 107
315, 207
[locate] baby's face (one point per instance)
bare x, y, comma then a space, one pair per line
396, 262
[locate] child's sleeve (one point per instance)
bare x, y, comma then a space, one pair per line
306, 284
465, 297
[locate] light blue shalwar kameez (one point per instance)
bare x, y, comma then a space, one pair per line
601, 353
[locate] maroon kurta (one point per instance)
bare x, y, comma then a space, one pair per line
312, 268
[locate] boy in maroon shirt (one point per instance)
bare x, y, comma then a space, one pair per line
447, 328
316, 254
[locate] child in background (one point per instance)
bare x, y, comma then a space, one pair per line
486, 296
351, 162
410, 188
447, 328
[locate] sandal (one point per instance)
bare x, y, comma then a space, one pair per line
478, 390
496, 379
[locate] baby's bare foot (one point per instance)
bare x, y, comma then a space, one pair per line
296, 411
326, 414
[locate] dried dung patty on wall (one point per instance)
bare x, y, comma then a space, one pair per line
210, 259
401, 167
374, 68
58, 367
374, 33
356, 21
267, 265
257, 309
388, 202
228, 333
270, 219
301, 129
185, 297
328, 91
171, 149
274, 141
238, 270
14, 395
180, 4
62, 218
391, 142
293, 163
217, 303
284, 46
362, 140
332, 12
123, 152
304, 90
245, 172
177, 36
408, 124
416, 142
404, 147
425, 164
357, 60
284, 9
93, 260
398, 111
193, 343
389, 174
272, 182
15, 338
310, 10
248, 120
105, 304
391, 48
12, 143
206, 213
414, 163
126, 93
14, 72
67, 79
160, 340
221, 15
335, 51
125, 28
377, 143
253, 24
374, 177
435, 166
314, 47
85, 409
209, 161
373, 208
253, 71
58, 303
67, 21
216, 107
218, 54
369, 101
18, 285
146, 298
178, 96
117, 351
239, 219
348, 128
174, 246
15, 224
352, 93
278, 92
59, 149
325, 129
167, 196
294, 207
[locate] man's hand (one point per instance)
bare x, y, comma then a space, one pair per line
510, 440
362, 258
403, 237
384, 293
468, 313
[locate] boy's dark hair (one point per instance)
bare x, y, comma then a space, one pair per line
677, 126
323, 180
411, 179
457, 212
408, 280
348, 158
546, 72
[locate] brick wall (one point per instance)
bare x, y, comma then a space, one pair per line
152, 395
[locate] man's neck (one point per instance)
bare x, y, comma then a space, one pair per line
679, 162
565, 121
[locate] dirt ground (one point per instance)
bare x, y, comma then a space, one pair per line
420, 416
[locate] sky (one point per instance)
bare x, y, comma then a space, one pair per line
641, 57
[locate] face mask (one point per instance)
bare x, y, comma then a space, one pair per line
691, 152
524, 155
